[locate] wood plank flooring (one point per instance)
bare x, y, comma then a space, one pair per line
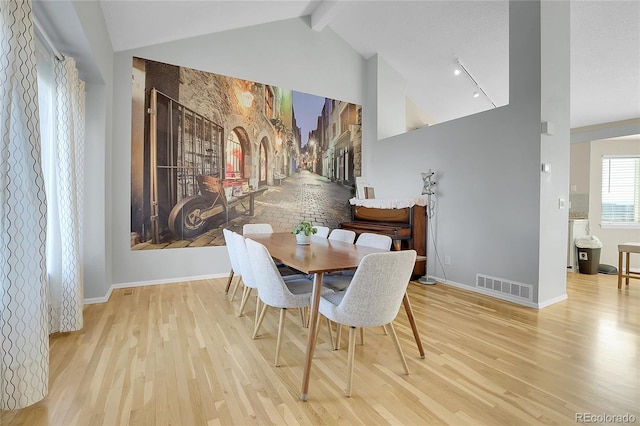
177, 354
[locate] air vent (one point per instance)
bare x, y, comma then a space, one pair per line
504, 288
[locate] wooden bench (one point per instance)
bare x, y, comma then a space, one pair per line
251, 195
213, 187
627, 248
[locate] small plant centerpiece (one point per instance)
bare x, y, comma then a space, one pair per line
303, 232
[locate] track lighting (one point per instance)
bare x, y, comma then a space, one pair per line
458, 70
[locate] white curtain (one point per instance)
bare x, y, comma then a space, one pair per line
64, 165
24, 345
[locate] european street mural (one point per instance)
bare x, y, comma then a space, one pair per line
210, 151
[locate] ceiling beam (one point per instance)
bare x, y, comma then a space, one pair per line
325, 12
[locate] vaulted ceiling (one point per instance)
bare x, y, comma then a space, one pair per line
422, 40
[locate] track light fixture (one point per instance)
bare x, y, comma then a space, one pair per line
459, 69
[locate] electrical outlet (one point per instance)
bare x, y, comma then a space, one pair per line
447, 260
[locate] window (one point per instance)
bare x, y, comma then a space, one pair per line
621, 189
234, 156
44, 69
347, 117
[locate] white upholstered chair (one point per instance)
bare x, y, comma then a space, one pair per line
323, 231
266, 228
368, 239
345, 235
276, 292
257, 228
248, 277
372, 299
233, 258
340, 281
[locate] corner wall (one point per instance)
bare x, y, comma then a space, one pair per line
490, 191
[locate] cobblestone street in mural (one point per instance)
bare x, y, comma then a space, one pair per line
302, 196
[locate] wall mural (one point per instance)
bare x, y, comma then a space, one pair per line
210, 152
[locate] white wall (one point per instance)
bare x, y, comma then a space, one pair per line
580, 166
609, 236
391, 101
287, 54
77, 29
554, 149
98, 161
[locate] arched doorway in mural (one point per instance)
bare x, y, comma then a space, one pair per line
263, 163
234, 155
237, 161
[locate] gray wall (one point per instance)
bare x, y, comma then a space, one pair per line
496, 214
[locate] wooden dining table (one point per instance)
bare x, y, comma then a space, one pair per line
319, 257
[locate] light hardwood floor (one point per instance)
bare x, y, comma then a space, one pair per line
177, 354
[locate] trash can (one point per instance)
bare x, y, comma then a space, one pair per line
588, 254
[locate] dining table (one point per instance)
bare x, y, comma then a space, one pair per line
319, 257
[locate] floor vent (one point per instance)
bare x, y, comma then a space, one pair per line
505, 288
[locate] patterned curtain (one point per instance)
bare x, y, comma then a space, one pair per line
64, 192
24, 345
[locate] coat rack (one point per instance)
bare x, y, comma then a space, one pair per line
427, 190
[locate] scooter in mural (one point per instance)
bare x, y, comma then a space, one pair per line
189, 217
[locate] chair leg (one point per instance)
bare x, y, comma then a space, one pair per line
336, 345
283, 314
303, 319
626, 277
226, 290
235, 288
245, 297
330, 333
350, 358
255, 321
396, 342
260, 319
384, 330
619, 269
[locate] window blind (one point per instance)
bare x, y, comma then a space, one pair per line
621, 189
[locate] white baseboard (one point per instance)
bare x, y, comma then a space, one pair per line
533, 305
94, 300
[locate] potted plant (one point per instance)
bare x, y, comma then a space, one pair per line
303, 232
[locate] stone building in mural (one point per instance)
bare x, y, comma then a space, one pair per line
198, 138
